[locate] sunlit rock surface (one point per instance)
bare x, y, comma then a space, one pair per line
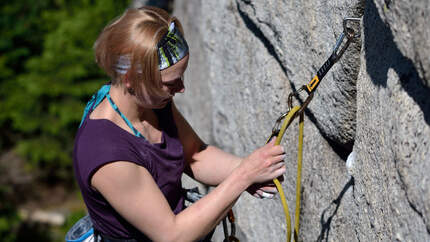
247, 56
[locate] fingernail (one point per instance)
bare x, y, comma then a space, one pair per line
274, 190
267, 195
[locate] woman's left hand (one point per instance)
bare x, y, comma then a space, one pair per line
263, 190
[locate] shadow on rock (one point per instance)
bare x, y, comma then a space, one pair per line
332, 210
382, 53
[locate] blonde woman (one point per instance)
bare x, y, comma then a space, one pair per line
133, 144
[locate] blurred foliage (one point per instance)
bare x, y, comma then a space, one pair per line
47, 73
9, 219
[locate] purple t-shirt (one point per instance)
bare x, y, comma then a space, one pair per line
100, 141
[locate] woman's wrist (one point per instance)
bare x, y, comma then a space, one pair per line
242, 175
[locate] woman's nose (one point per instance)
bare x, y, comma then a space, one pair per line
180, 88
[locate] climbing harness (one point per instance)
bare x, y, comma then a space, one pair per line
293, 112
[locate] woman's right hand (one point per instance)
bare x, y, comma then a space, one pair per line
264, 164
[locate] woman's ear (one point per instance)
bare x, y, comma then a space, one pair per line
126, 82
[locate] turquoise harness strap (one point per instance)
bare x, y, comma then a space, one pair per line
115, 107
97, 98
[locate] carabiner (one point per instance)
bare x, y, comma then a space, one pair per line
304, 104
349, 33
276, 126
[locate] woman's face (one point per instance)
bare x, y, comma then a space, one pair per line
172, 78
172, 81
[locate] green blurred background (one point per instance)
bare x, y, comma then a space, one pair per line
47, 73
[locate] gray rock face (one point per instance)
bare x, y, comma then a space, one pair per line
248, 86
409, 23
393, 133
311, 29
247, 56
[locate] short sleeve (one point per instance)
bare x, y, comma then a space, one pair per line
99, 145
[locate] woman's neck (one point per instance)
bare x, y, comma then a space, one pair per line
143, 120
128, 106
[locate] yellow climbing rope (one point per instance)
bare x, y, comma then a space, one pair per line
299, 178
287, 121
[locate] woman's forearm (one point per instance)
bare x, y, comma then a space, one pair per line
200, 218
212, 165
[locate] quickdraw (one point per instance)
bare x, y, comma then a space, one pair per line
298, 111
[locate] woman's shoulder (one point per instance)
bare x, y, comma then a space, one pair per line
100, 136
98, 129
101, 142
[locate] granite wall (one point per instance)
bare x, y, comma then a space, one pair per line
366, 171
373, 107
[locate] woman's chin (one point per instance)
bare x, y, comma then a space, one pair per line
162, 105
159, 105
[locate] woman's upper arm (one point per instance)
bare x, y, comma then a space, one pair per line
206, 164
133, 193
190, 140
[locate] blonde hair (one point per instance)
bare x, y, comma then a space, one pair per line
135, 34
